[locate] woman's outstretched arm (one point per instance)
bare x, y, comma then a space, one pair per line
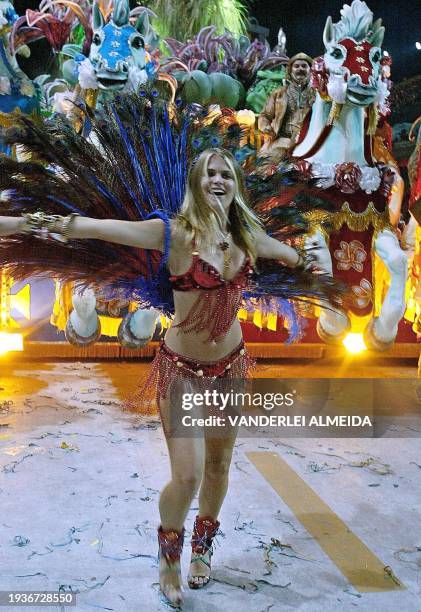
142, 234
270, 248
11, 225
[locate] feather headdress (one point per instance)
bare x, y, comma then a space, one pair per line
133, 166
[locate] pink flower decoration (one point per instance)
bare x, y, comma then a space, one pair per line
350, 255
54, 21
363, 294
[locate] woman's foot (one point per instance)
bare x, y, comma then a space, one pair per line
170, 582
170, 548
200, 567
205, 529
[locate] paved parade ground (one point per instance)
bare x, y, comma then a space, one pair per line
308, 524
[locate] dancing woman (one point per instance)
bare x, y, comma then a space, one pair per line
215, 241
210, 247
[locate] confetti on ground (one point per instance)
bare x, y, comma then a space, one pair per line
90, 527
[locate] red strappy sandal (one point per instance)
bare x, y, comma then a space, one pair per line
204, 531
170, 548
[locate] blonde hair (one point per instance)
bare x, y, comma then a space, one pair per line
197, 219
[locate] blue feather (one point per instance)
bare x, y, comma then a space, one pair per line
132, 157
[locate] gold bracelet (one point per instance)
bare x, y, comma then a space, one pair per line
65, 226
300, 261
304, 261
39, 224
45, 226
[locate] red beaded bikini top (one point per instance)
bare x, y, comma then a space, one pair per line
203, 275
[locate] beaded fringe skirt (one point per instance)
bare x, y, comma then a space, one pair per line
169, 367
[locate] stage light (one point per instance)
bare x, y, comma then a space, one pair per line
10, 342
354, 343
418, 45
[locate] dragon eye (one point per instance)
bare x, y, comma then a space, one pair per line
96, 39
376, 56
137, 42
337, 53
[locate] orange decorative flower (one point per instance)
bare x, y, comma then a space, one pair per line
362, 295
350, 255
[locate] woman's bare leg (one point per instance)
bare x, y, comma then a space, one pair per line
186, 458
218, 455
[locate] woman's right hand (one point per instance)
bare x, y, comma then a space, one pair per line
11, 225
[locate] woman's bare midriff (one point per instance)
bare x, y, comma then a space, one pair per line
196, 345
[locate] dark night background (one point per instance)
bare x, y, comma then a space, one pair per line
303, 23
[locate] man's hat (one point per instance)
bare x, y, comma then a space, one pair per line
300, 56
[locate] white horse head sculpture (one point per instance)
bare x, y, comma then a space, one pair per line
353, 55
348, 79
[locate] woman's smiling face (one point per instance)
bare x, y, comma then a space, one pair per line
219, 182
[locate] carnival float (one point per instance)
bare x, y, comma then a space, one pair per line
363, 218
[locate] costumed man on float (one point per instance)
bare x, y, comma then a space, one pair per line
285, 110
